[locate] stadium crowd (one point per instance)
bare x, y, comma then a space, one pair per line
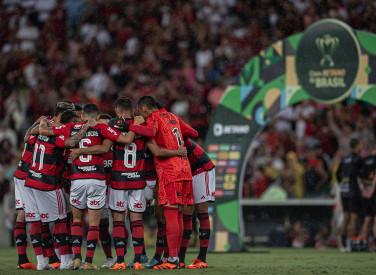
184, 53
300, 149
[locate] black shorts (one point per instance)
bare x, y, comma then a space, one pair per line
352, 205
369, 206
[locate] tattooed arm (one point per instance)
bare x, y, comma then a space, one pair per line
72, 141
44, 129
32, 130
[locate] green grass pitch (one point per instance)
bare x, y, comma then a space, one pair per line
256, 261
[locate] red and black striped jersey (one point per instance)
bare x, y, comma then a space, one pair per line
47, 163
150, 172
107, 162
88, 166
26, 159
170, 130
197, 157
128, 167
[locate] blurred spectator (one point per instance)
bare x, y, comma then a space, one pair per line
299, 235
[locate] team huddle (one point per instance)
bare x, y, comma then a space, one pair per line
80, 159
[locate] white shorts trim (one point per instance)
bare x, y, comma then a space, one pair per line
150, 184
19, 193
45, 206
121, 200
89, 193
204, 187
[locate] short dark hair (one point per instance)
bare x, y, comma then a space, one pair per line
354, 142
68, 116
62, 106
78, 107
124, 104
147, 101
105, 116
159, 105
90, 110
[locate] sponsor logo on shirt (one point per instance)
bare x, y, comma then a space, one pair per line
61, 137
60, 127
77, 126
91, 134
112, 131
43, 138
36, 174
18, 202
87, 168
131, 175
137, 205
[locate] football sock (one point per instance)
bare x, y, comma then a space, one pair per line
21, 241
343, 240
187, 223
137, 229
126, 239
172, 229
48, 243
181, 227
143, 249
62, 237
69, 219
105, 238
56, 247
92, 239
159, 247
204, 235
76, 234
166, 251
119, 240
36, 237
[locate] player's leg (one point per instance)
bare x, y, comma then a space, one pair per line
78, 203
66, 195
52, 209
32, 215
364, 232
205, 193
136, 207
20, 234
345, 224
171, 196
354, 224
96, 200
117, 204
187, 232
48, 246
104, 235
76, 235
160, 245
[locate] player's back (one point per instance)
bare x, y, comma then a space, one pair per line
88, 166
197, 157
47, 162
169, 136
26, 159
128, 169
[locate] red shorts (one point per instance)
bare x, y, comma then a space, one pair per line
179, 192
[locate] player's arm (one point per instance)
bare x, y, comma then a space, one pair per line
186, 130
92, 150
44, 129
34, 129
165, 153
74, 140
136, 127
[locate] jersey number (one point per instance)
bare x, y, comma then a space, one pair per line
41, 156
83, 144
175, 131
130, 156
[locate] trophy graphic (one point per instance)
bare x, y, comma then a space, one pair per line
327, 46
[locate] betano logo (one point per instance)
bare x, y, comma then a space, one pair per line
220, 129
